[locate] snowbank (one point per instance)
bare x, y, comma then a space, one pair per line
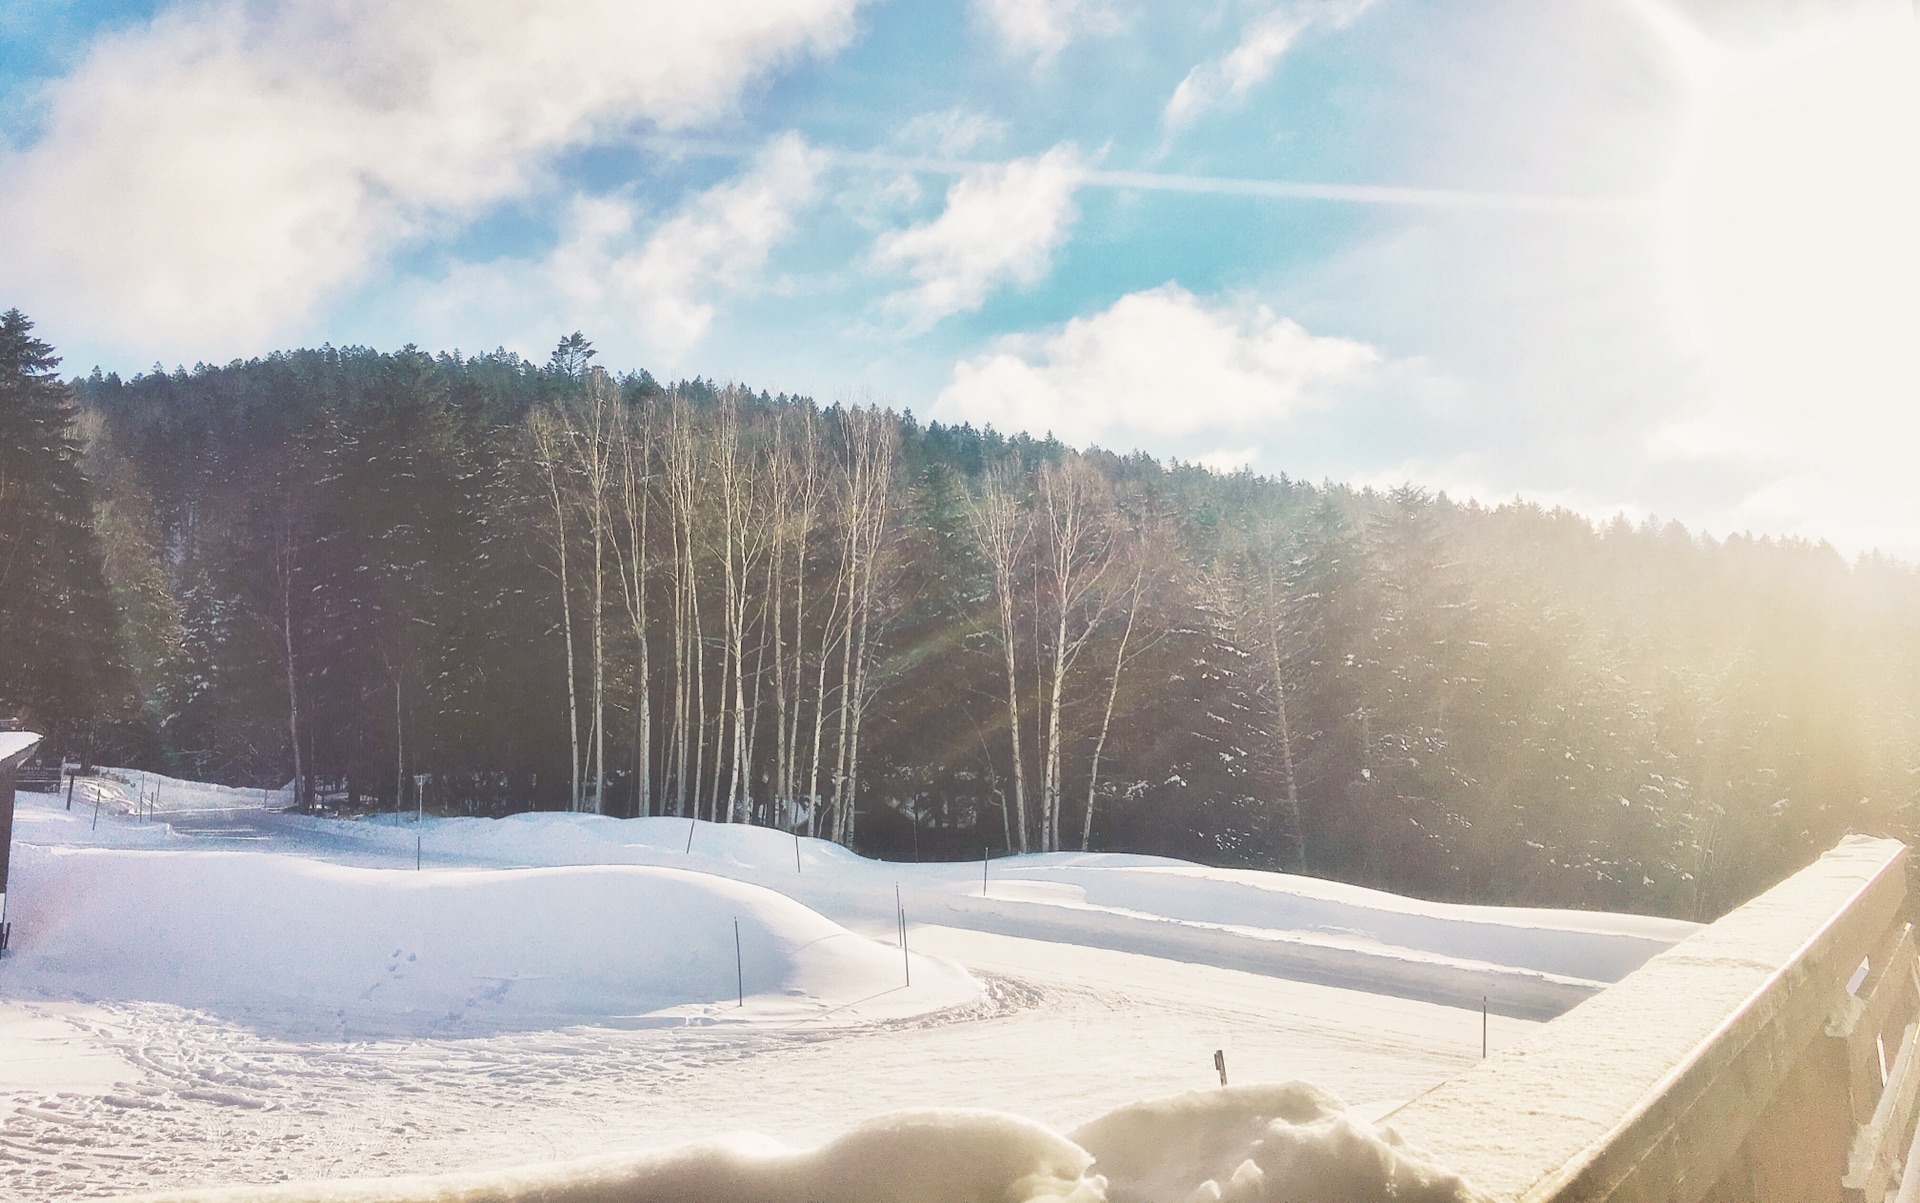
301, 947
1253, 1144
1249, 1144
1526, 962
1529, 962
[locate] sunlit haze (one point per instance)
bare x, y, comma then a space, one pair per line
1794, 253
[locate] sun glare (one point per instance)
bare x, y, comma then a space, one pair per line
1793, 222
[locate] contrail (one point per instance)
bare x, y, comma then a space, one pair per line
1365, 194
1202, 185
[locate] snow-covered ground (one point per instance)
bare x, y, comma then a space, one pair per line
225, 993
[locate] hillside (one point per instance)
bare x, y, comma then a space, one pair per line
482, 586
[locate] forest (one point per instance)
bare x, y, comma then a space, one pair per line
482, 585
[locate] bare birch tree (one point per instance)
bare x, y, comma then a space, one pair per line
1132, 592
745, 539
593, 442
1078, 550
547, 440
286, 547
634, 440
872, 439
1001, 528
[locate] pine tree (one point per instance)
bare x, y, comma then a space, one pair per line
61, 668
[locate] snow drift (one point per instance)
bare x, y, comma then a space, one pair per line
1531, 962
304, 948
1250, 1144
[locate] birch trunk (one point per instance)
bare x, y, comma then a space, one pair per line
1080, 553
550, 453
998, 527
284, 565
1106, 717
634, 462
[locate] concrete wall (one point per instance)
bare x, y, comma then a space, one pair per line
1743, 1063
15, 746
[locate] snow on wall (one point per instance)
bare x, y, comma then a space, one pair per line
1255, 1144
12, 743
300, 947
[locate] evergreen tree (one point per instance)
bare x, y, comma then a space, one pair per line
61, 668
343, 563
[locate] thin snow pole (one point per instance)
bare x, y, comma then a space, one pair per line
1483, 1027
96, 811
796, 850
72, 773
739, 965
983, 870
690, 823
416, 852
1220, 1063
900, 912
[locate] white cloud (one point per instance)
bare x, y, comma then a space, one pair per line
212, 176
1001, 225
1264, 40
1041, 29
650, 291
1160, 370
718, 244
949, 133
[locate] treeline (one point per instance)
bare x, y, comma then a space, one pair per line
481, 585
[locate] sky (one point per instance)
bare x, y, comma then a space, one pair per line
1652, 257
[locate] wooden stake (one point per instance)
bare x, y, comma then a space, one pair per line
1220, 1064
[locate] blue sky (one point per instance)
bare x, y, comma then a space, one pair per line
1651, 256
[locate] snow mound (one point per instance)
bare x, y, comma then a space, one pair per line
1124, 896
1523, 962
1257, 1144
305, 948
1250, 1144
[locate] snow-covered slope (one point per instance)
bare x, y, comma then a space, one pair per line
300, 947
229, 950
1527, 962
